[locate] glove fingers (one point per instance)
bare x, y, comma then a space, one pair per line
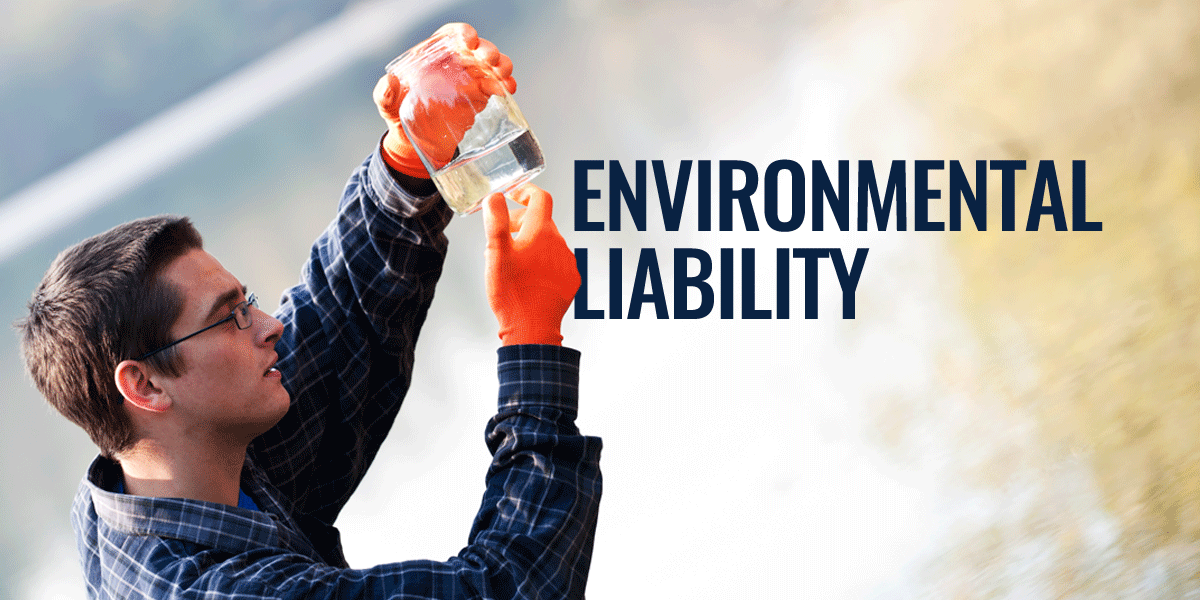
389, 94
520, 194
497, 223
468, 34
488, 52
539, 209
516, 217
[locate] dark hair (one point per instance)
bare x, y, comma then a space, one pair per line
102, 302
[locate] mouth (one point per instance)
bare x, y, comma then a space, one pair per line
272, 370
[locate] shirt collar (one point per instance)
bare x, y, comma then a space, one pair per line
210, 524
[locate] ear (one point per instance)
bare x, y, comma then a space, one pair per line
139, 388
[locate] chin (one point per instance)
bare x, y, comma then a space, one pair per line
269, 411
281, 401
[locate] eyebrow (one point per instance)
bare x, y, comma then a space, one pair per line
223, 300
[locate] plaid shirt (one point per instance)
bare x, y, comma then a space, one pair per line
346, 356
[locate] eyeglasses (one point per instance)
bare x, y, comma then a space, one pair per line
240, 315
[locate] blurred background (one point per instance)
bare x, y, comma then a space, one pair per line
1010, 415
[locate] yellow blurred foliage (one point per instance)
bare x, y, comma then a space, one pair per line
1107, 321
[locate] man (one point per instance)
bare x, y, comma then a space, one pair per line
231, 439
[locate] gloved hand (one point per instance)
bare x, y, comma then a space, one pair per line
440, 122
532, 278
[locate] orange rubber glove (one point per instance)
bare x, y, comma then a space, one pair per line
532, 278
389, 93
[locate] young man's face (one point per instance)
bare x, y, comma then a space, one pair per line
229, 388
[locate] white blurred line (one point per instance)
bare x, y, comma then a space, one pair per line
171, 136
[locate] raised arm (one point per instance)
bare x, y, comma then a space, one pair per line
352, 323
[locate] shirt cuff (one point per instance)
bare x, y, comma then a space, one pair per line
396, 198
536, 374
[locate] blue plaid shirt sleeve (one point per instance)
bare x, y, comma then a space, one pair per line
350, 329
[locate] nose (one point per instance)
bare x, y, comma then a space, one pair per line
268, 327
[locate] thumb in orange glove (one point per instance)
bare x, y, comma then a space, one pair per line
532, 277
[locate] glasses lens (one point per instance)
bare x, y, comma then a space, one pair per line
241, 313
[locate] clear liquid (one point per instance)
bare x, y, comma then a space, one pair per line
503, 164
